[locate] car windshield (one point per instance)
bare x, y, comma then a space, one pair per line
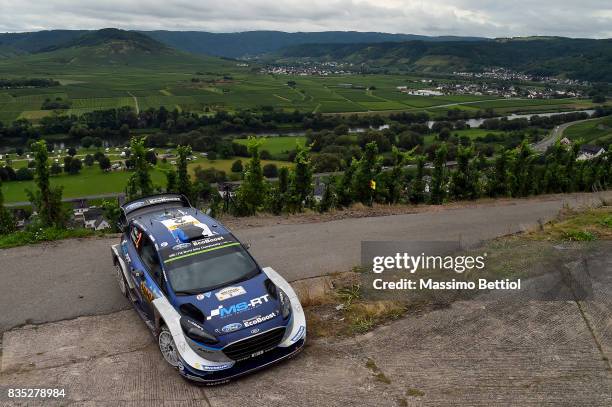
206, 271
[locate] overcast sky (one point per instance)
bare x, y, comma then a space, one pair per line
494, 18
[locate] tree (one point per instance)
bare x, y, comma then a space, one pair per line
500, 180
464, 180
46, 199
237, 166
72, 151
151, 157
140, 183
270, 170
56, 169
438, 179
67, 162
105, 163
171, 181
283, 179
24, 174
251, 193
368, 168
417, 189
344, 190
7, 222
112, 212
396, 176
184, 185
89, 160
86, 141
522, 170
329, 198
75, 166
124, 131
300, 180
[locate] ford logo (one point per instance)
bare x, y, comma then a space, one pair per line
231, 327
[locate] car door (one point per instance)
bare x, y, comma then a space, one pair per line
149, 284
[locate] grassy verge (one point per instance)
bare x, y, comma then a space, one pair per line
22, 238
350, 309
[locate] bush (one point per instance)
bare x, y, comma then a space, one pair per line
37, 235
270, 171
237, 166
24, 174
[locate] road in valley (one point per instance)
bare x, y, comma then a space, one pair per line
555, 135
67, 279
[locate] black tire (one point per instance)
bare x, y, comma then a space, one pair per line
123, 285
167, 347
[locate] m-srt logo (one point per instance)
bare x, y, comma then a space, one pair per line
237, 308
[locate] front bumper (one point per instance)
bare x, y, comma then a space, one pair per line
269, 358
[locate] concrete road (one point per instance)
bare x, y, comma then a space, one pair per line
68, 279
555, 135
503, 351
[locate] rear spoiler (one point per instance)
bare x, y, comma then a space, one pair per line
162, 201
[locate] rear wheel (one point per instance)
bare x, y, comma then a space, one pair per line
120, 279
167, 347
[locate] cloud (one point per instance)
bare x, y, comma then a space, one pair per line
587, 18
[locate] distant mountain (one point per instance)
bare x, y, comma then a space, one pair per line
112, 48
235, 45
31, 42
231, 45
583, 59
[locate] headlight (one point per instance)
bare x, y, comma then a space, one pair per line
196, 332
285, 303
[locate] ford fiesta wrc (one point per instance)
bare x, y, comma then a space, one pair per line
216, 314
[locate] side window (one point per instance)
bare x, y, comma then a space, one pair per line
149, 257
136, 235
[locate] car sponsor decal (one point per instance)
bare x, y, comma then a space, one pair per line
230, 292
299, 334
231, 327
223, 312
181, 246
194, 251
200, 297
259, 319
174, 225
146, 292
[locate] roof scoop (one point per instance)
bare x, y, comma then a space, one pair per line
190, 232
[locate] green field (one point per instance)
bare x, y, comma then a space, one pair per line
471, 133
278, 145
199, 84
597, 131
93, 181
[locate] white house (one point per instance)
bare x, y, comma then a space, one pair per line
588, 152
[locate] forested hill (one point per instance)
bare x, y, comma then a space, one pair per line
232, 45
584, 59
240, 44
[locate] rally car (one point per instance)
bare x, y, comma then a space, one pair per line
216, 314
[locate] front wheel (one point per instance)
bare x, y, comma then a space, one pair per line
167, 347
120, 279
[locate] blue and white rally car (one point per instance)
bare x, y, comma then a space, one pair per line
215, 312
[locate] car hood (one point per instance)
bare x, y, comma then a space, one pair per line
236, 307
